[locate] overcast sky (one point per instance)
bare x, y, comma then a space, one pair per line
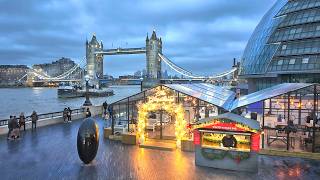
200, 35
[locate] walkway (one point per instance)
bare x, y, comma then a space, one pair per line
51, 153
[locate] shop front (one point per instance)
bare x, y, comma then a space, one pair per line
227, 141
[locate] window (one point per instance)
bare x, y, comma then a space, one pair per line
217, 140
305, 60
280, 62
292, 61
318, 28
284, 47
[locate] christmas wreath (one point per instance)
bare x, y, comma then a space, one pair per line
236, 156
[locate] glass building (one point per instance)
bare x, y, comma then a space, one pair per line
285, 46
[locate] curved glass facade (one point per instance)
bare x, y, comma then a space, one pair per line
258, 52
285, 43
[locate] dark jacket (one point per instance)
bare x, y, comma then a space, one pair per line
88, 114
34, 117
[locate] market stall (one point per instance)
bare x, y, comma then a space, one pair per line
227, 141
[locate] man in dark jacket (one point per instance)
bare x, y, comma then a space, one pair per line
69, 113
105, 106
229, 141
88, 113
34, 119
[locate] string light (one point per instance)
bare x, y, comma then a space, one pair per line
162, 99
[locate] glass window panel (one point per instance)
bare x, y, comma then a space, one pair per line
305, 60
292, 61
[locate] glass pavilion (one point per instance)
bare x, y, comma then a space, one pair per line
287, 113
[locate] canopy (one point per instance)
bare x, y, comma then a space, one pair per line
216, 95
252, 124
267, 93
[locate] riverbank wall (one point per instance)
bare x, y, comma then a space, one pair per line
95, 111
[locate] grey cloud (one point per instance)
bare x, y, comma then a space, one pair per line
209, 31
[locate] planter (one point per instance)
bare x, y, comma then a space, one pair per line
187, 145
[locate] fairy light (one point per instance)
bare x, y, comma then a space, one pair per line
162, 100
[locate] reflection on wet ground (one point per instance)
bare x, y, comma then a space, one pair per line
51, 153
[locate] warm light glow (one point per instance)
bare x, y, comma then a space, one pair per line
161, 100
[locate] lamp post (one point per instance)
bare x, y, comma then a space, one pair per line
141, 80
87, 102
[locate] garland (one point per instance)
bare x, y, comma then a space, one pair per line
224, 120
238, 157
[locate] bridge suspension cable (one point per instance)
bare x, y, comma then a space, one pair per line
186, 73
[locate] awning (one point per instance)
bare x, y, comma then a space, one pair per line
218, 96
268, 93
253, 124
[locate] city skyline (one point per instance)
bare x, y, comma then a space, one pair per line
208, 32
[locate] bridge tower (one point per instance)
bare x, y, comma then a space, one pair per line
153, 47
94, 61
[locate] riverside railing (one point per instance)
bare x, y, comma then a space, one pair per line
51, 115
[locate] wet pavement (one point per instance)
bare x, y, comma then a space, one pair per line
51, 153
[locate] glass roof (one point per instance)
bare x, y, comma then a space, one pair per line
267, 93
215, 95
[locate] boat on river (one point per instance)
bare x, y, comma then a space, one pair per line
76, 91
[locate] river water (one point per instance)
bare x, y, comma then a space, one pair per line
45, 100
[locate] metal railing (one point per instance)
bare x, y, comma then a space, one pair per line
51, 115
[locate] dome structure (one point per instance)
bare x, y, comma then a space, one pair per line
285, 46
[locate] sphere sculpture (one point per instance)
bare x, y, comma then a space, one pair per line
88, 140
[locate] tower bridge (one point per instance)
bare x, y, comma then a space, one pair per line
95, 53
154, 57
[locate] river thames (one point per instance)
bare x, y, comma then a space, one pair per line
45, 100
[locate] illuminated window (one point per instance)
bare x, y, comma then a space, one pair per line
280, 62
305, 60
292, 61
284, 47
215, 140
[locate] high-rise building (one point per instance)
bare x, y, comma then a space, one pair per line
285, 46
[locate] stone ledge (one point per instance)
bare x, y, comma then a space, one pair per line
306, 155
43, 122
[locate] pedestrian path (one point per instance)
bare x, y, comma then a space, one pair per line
50, 153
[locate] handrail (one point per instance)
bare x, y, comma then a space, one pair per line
45, 116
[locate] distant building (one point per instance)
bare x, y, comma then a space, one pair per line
138, 73
10, 74
58, 67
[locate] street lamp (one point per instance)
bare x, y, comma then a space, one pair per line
141, 80
87, 102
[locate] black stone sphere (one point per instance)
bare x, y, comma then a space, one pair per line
88, 140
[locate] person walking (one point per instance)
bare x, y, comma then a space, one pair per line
34, 119
88, 113
65, 115
69, 113
105, 106
10, 127
15, 128
22, 121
